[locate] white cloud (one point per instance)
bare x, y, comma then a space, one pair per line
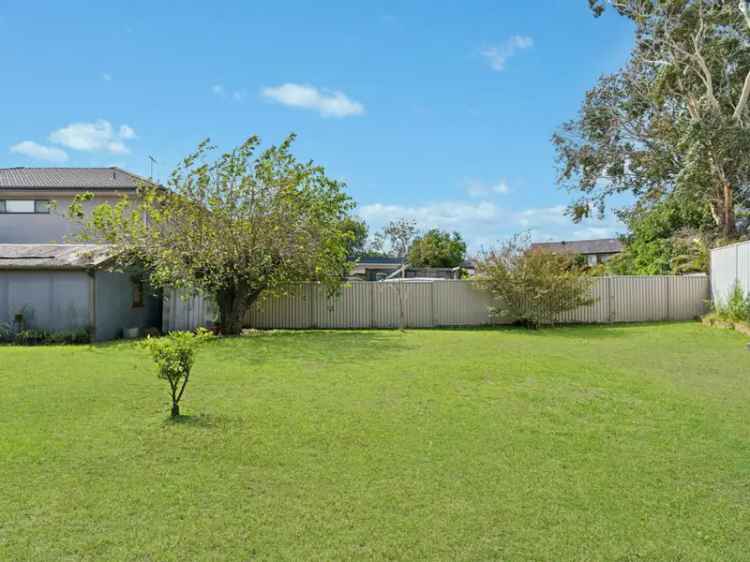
327, 103
498, 56
126, 132
106, 77
476, 188
39, 151
94, 137
221, 91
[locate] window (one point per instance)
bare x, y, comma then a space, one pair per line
137, 293
24, 206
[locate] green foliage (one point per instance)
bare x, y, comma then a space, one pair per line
357, 230
21, 331
670, 237
736, 308
174, 355
672, 121
532, 287
10, 333
437, 249
233, 228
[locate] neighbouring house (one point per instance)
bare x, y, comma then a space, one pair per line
379, 268
594, 252
33, 201
63, 287
56, 286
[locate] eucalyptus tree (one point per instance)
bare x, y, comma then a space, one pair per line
674, 120
247, 223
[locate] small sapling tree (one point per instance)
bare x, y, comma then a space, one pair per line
174, 355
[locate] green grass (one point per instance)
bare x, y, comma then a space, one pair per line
578, 443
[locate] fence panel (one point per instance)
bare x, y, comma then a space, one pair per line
595, 313
640, 299
725, 271
688, 296
289, 312
448, 303
185, 311
351, 308
460, 303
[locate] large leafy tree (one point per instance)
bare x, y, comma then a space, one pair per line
437, 248
243, 224
674, 120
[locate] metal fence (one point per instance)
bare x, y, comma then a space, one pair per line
445, 303
730, 266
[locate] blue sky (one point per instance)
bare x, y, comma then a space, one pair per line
441, 111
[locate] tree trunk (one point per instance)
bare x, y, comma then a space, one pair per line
728, 226
175, 410
234, 303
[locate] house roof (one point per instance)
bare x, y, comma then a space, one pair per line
53, 256
601, 246
64, 179
379, 260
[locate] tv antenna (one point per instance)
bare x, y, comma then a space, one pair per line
152, 162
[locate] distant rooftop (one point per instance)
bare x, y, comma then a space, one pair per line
112, 178
588, 247
53, 256
379, 260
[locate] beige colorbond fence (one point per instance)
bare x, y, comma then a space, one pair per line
730, 265
447, 303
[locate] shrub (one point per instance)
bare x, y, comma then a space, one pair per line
737, 306
532, 286
15, 334
174, 355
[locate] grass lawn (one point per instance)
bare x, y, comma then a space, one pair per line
579, 443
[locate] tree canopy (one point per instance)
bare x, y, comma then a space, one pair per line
437, 248
669, 237
243, 224
673, 121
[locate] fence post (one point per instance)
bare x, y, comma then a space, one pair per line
371, 292
669, 297
313, 297
432, 304
610, 301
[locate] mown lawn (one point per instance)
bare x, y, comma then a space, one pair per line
579, 443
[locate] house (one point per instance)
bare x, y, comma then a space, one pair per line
61, 287
375, 268
33, 201
594, 251
379, 268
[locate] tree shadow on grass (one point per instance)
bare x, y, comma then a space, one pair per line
262, 346
576, 331
203, 421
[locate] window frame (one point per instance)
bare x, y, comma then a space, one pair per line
138, 300
35, 205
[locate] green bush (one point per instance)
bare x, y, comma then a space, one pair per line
174, 355
15, 334
532, 287
737, 306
